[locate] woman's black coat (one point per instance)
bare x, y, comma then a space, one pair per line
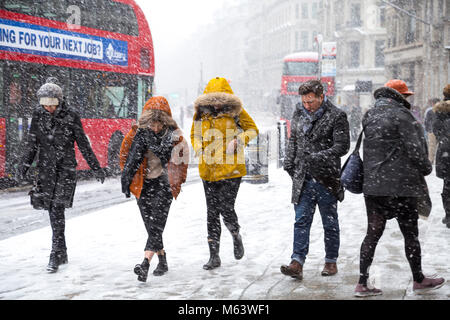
145, 139
441, 128
52, 138
395, 151
318, 151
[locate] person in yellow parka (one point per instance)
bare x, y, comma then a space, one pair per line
220, 131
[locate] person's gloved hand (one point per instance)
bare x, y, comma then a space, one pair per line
100, 175
232, 146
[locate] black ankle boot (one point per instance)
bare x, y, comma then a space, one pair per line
141, 270
238, 246
162, 265
446, 203
53, 262
214, 259
62, 257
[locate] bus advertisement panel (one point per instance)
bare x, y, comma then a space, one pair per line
104, 64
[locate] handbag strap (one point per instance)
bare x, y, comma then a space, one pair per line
358, 144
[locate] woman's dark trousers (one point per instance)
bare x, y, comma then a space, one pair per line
381, 209
220, 200
58, 224
154, 204
446, 200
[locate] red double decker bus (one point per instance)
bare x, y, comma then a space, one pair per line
298, 68
101, 51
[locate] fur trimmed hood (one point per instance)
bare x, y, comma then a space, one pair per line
389, 93
153, 115
442, 107
217, 103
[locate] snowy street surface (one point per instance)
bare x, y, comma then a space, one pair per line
104, 246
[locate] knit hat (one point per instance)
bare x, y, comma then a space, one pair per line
400, 86
447, 91
158, 103
50, 94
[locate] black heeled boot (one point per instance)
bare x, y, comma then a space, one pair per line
214, 259
238, 246
141, 270
53, 264
162, 265
57, 258
446, 203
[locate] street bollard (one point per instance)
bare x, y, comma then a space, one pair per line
257, 160
282, 142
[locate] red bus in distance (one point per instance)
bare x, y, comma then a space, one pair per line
101, 51
297, 69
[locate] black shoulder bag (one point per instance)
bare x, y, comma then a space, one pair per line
352, 173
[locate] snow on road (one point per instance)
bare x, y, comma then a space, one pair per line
105, 245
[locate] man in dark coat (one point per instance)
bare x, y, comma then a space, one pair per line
395, 165
441, 129
319, 138
53, 132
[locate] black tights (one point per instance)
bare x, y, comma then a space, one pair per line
58, 224
220, 200
154, 204
379, 210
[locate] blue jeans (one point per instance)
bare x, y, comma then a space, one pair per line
313, 194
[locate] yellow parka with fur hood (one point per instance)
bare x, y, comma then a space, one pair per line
219, 119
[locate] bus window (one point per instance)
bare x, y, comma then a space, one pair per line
50, 9
144, 93
118, 99
300, 68
20, 6
118, 17
2, 109
83, 92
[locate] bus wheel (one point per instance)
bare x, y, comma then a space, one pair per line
113, 154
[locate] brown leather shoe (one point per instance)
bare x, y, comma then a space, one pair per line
294, 270
330, 269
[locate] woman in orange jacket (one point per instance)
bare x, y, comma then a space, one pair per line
154, 159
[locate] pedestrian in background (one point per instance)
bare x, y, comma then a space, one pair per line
395, 165
441, 128
55, 127
154, 158
220, 131
319, 138
355, 122
429, 117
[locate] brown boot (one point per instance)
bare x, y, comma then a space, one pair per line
330, 269
294, 270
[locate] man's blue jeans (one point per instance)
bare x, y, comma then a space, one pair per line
314, 193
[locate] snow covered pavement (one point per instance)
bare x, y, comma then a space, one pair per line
104, 246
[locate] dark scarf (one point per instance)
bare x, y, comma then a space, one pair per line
312, 118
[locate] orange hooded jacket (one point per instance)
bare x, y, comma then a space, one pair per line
177, 170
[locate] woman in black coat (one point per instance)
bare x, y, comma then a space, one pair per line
53, 132
395, 165
441, 129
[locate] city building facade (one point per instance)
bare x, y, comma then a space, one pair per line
418, 46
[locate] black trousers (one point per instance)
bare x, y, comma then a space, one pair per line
220, 199
446, 197
58, 224
154, 204
381, 209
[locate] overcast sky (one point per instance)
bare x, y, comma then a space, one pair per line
172, 23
